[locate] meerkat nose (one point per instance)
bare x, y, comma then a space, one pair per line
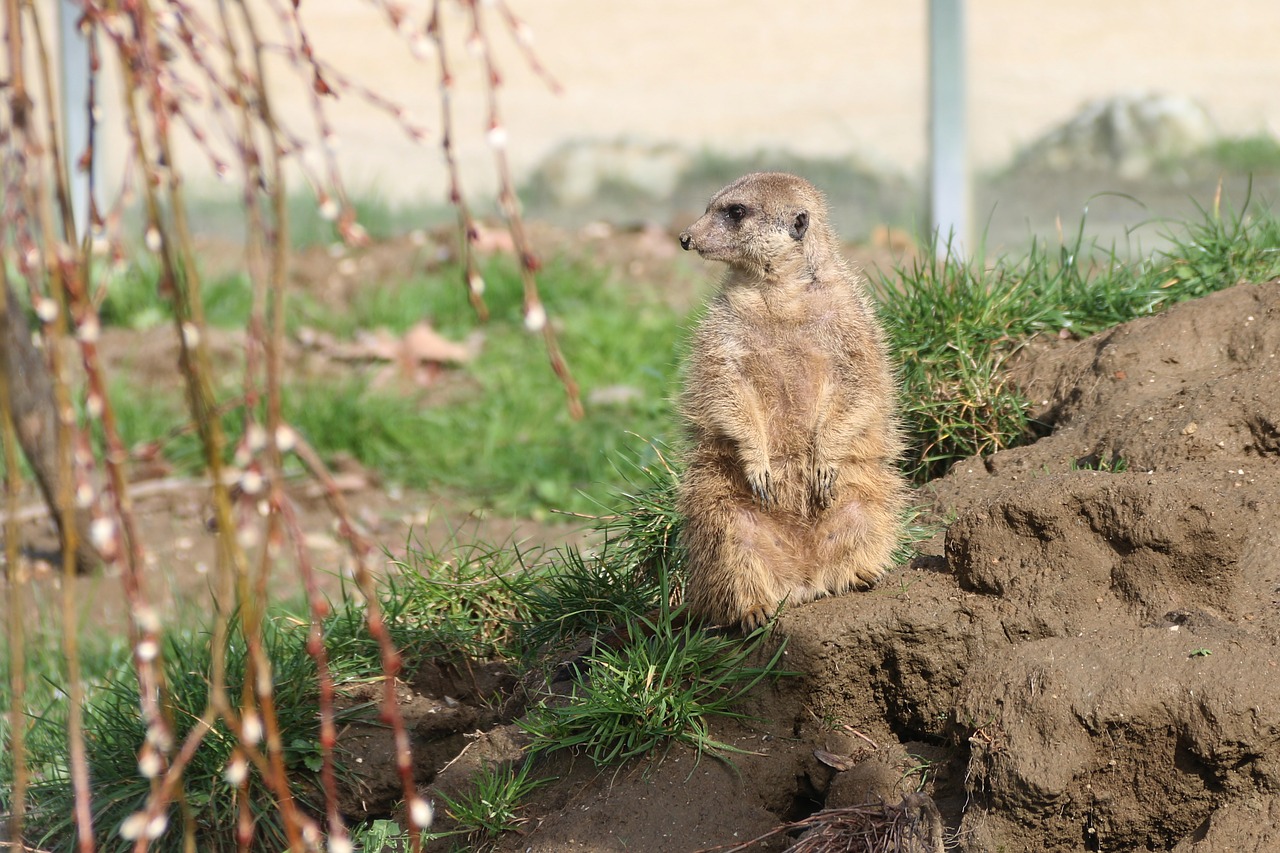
686, 241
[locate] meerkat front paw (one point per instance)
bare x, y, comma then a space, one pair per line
760, 481
822, 480
757, 617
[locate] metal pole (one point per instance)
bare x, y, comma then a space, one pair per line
948, 166
73, 65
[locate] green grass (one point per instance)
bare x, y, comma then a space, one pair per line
952, 323
460, 601
114, 731
661, 684
491, 806
130, 296
634, 565
1257, 154
511, 442
466, 599
654, 676
508, 440
463, 601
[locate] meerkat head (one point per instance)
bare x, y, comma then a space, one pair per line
760, 222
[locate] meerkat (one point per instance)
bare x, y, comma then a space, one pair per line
791, 489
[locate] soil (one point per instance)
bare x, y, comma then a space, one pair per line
1086, 656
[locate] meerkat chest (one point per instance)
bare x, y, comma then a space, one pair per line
792, 368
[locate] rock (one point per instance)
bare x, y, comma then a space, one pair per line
1129, 134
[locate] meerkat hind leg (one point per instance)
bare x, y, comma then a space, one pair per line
853, 543
757, 561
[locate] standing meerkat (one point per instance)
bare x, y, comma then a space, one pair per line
792, 489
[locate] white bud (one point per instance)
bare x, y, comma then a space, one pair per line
286, 438
102, 533
132, 826
328, 209
476, 283
256, 437
149, 763
157, 825
147, 650
497, 136
312, 159
251, 481
88, 331
420, 813
535, 317
191, 335
46, 310
236, 771
340, 844
93, 405
524, 34
251, 728
84, 496
159, 736
153, 239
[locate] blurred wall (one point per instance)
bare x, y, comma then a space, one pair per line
832, 77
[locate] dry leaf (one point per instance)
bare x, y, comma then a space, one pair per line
836, 762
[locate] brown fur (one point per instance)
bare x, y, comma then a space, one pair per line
791, 490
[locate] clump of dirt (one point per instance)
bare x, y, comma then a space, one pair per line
1088, 658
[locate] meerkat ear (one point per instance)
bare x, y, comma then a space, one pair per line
799, 225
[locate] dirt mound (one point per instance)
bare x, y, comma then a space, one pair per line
1087, 659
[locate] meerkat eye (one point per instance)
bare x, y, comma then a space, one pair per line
736, 212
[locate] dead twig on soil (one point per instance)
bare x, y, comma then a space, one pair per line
912, 826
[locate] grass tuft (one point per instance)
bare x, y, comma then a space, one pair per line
114, 730
491, 806
635, 566
465, 600
660, 686
953, 322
